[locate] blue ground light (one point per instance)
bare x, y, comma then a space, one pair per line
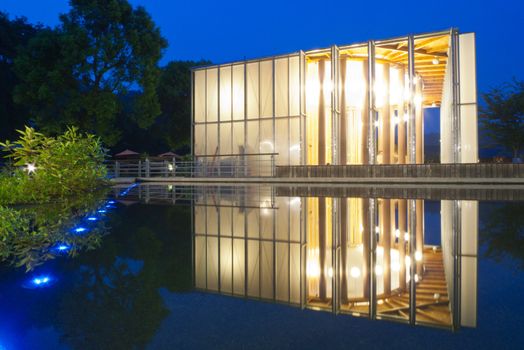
92, 218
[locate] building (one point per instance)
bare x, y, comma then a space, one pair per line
355, 104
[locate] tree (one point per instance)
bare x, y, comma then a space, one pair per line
172, 129
14, 34
503, 116
174, 93
73, 74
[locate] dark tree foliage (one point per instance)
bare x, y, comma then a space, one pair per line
171, 131
502, 117
503, 232
73, 75
14, 34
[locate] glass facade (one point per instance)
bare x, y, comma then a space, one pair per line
356, 104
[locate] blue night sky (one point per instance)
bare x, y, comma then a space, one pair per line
224, 31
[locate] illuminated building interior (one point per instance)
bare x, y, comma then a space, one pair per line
356, 104
356, 256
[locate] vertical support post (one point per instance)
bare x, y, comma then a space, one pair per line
139, 167
411, 102
148, 170
321, 115
402, 128
117, 169
371, 143
342, 132
335, 108
455, 78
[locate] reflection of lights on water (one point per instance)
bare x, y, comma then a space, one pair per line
80, 229
39, 281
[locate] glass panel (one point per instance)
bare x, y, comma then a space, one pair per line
226, 228
239, 266
294, 86
294, 273
282, 271
225, 93
282, 232
238, 138
266, 270
200, 262
200, 96
266, 136
294, 141
226, 265
253, 268
212, 263
212, 139
212, 94
225, 138
266, 88
281, 87
200, 139
282, 141
252, 97
238, 92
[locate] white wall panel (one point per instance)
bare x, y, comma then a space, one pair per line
468, 99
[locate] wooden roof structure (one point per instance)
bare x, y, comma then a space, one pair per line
431, 58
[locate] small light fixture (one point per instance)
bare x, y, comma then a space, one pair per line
30, 168
354, 272
406, 236
80, 229
435, 60
418, 256
397, 233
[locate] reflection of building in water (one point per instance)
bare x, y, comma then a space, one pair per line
346, 255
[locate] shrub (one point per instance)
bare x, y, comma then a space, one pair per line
46, 168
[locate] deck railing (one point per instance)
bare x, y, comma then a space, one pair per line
230, 165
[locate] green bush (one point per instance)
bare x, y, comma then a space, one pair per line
44, 169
